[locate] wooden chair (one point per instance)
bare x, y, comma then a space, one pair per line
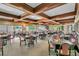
64, 50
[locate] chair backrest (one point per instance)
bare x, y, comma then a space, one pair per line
64, 49
56, 38
73, 39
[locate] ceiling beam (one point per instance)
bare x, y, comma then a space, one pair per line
76, 7
46, 6
38, 21
66, 20
64, 15
77, 12
2, 19
27, 19
9, 15
44, 15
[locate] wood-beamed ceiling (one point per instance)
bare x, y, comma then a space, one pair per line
32, 10
39, 11
45, 6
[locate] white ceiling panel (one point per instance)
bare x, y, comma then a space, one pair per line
10, 10
61, 10
33, 5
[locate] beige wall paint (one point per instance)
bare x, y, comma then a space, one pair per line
8, 23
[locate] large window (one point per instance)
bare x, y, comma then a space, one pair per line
6, 28
56, 27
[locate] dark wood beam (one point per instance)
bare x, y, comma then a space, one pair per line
77, 12
76, 7
44, 15
64, 15
9, 15
65, 20
2, 19
27, 19
46, 6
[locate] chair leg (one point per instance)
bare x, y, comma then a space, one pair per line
20, 42
25, 41
75, 53
2, 51
10, 41
49, 52
28, 45
49, 47
36, 40
70, 52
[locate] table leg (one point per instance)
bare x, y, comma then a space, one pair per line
2, 52
75, 53
20, 41
70, 52
49, 48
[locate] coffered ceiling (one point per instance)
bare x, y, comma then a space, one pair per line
58, 13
